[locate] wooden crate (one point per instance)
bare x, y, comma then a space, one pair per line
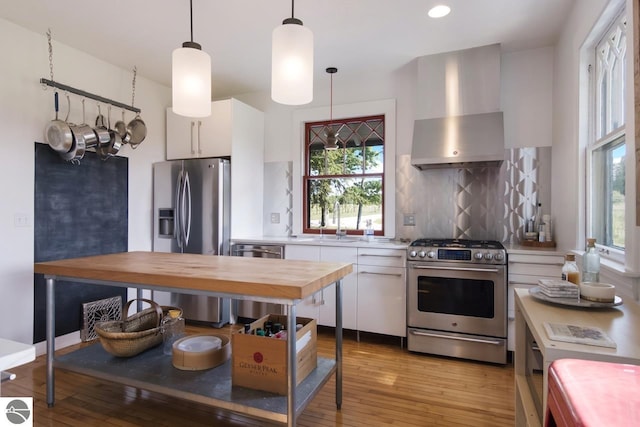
261, 362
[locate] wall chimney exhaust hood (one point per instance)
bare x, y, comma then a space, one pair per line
472, 140
459, 122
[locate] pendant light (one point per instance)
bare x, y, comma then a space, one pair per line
191, 78
332, 139
292, 62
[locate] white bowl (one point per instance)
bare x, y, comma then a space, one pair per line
598, 292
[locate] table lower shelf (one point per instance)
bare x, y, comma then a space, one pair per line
153, 371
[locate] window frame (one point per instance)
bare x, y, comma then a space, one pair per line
386, 106
594, 143
364, 175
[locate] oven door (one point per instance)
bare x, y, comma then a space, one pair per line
469, 299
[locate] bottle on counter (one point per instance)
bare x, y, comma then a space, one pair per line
570, 271
548, 232
591, 263
368, 231
172, 330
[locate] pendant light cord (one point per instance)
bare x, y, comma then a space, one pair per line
191, 17
331, 102
292, 2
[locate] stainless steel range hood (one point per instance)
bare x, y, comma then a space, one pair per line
459, 123
458, 141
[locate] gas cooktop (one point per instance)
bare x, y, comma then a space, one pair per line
457, 250
457, 243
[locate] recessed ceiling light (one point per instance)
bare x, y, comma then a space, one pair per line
439, 11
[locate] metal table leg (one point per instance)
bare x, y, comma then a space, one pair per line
339, 344
291, 364
51, 338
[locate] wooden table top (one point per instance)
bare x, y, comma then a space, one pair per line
265, 277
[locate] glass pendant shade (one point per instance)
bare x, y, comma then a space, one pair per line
292, 64
191, 82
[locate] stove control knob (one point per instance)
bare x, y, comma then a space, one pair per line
488, 256
422, 254
478, 255
413, 254
499, 256
431, 254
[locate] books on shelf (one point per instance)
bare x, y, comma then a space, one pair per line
589, 335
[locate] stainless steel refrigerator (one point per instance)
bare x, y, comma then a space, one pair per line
191, 214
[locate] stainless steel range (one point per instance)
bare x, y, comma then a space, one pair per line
457, 298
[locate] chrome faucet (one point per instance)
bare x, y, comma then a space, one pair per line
336, 213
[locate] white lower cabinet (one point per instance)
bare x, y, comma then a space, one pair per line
308, 307
373, 295
382, 306
524, 272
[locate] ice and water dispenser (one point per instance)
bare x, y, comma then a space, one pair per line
166, 223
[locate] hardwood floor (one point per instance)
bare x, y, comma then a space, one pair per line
383, 385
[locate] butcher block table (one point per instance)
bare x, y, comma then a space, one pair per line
277, 281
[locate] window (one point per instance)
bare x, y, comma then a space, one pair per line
345, 184
607, 151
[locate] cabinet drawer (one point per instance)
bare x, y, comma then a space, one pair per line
381, 257
544, 270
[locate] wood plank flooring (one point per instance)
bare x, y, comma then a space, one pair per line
384, 385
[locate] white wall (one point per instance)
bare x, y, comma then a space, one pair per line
24, 112
526, 97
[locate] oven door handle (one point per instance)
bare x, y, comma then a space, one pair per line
450, 337
483, 270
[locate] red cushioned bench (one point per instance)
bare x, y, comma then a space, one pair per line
593, 394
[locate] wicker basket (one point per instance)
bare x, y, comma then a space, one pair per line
133, 334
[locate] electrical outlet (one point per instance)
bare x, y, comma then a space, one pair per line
21, 220
275, 218
409, 219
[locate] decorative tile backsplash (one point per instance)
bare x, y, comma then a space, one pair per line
476, 203
278, 199
490, 202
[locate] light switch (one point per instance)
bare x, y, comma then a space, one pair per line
275, 218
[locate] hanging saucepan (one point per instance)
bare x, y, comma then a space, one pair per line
77, 151
57, 132
137, 131
90, 137
102, 134
115, 142
121, 128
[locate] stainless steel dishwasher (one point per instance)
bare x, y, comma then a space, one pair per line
251, 309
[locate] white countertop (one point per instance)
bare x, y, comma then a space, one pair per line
327, 240
619, 323
14, 354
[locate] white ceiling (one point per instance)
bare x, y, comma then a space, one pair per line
357, 36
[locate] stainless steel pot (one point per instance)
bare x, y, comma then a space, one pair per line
101, 131
137, 131
58, 133
90, 137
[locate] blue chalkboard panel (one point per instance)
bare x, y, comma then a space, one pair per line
80, 210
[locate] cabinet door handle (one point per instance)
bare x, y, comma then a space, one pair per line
199, 126
522, 282
383, 256
456, 338
559, 264
380, 274
193, 151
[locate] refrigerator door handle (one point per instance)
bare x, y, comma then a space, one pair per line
177, 233
187, 201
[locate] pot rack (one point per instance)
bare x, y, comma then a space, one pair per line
89, 95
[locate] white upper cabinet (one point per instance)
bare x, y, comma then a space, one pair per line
231, 123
